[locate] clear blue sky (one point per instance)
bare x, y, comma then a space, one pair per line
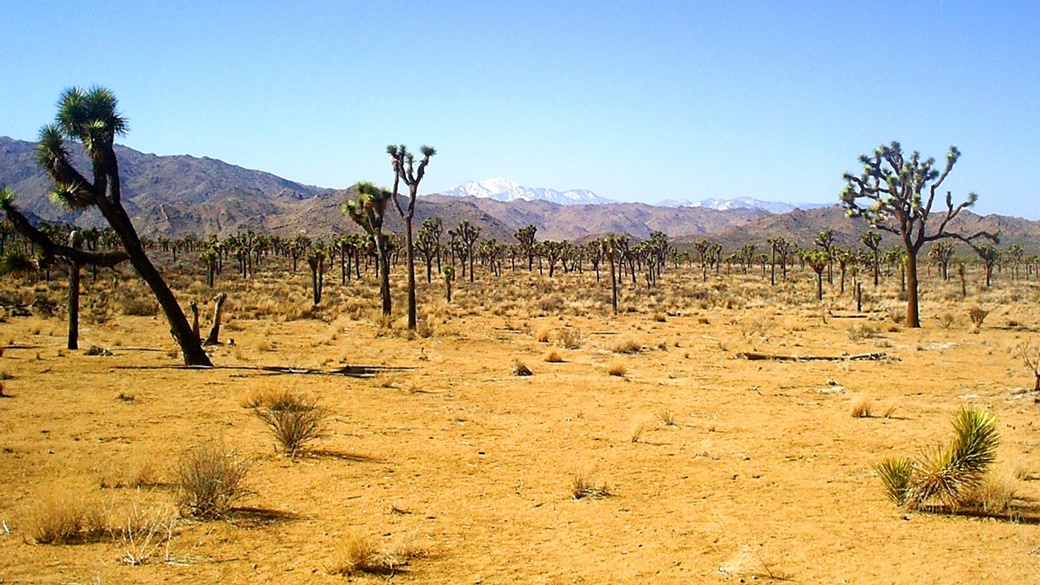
635, 101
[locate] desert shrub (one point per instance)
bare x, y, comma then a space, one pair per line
861, 331
66, 518
139, 307
977, 315
993, 496
667, 418
861, 407
294, 419
144, 531
210, 479
617, 369
366, 554
947, 474
585, 484
627, 345
571, 339
543, 335
553, 357
639, 428
521, 369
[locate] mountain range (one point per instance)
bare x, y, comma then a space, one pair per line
504, 190
742, 203
172, 196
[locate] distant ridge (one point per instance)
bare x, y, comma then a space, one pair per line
173, 196
743, 203
505, 190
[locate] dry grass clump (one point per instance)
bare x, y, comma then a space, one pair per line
627, 346
210, 479
553, 357
639, 428
144, 531
993, 496
617, 368
140, 307
861, 331
586, 484
521, 369
861, 407
133, 473
543, 335
66, 518
667, 418
571, 339
294, 419
948, 474
367, 554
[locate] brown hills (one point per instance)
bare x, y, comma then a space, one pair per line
172, 196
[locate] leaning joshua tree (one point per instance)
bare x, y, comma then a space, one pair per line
367, 211
404, 170
90, 118
899, 192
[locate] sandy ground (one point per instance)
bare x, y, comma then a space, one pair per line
763, 473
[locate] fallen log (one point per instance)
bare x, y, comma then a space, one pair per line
755, 356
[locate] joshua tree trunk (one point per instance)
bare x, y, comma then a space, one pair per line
191, 349
912, 316
410, 258
195, 319
73, 305
214, 331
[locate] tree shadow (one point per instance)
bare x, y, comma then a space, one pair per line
342, 455
249, 516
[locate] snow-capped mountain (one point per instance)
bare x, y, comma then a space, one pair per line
742, 203
503, 190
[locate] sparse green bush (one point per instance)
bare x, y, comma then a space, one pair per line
210, 479
294, 419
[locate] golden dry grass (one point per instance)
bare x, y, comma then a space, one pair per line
478, 465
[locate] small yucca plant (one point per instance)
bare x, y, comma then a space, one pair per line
945, 473
895, 474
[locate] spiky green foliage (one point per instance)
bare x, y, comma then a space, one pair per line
948, 473
895, 474
16, 262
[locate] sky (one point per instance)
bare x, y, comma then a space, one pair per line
636, 101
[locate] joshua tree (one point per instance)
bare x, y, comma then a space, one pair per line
989, 255
817, 260
941, 253
1015, 254
710, 254
449, 275
367, 211
404, 170
91, 118
900, 192
783, 248
467, 234
872, 240
316, 261
525, 237
428, 242
825, 240
72, 253
610, 248
209, 260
